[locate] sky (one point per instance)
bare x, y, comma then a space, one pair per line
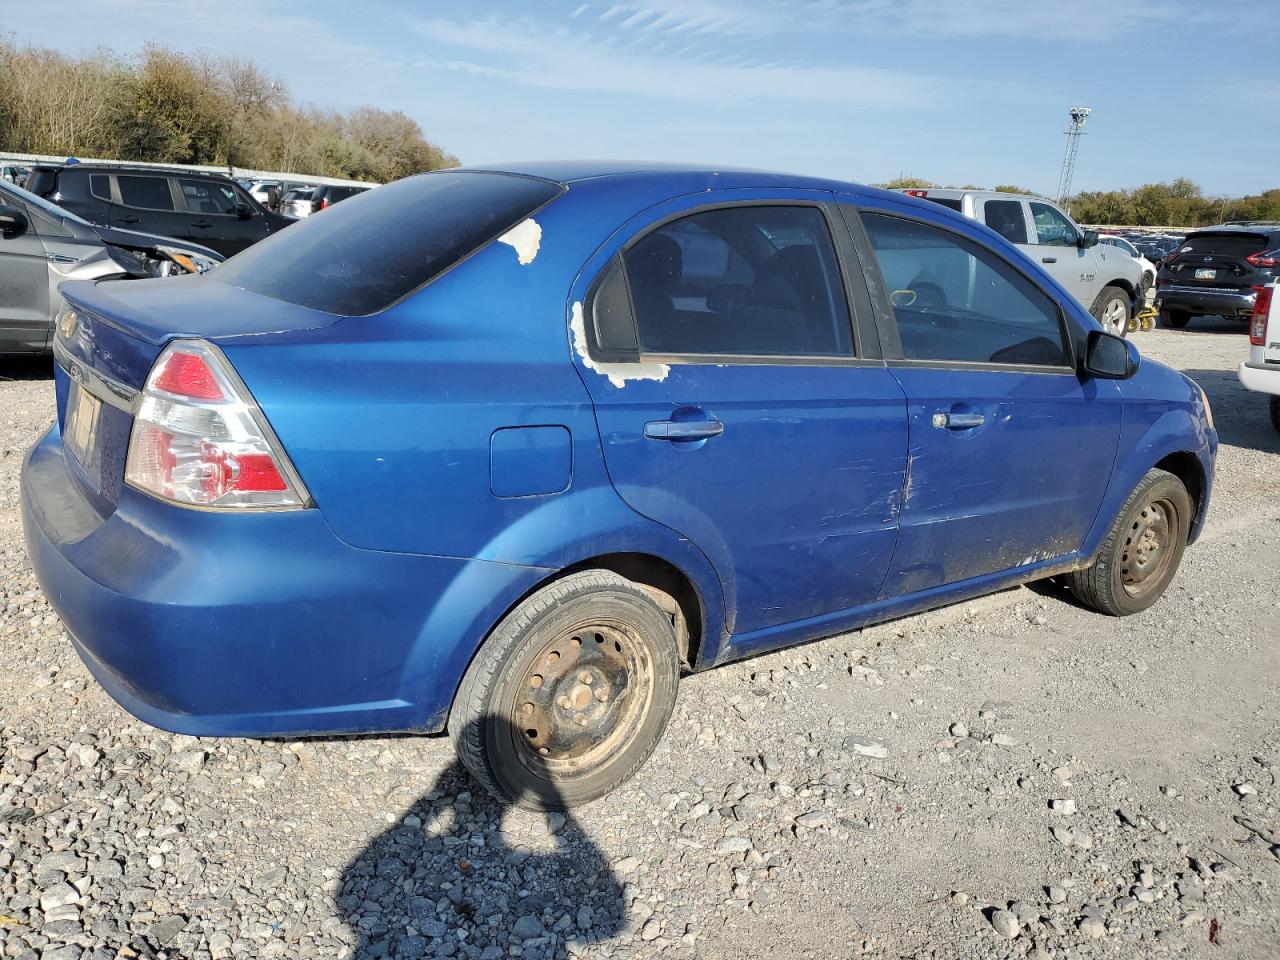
953, 91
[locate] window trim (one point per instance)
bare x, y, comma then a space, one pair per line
170, 181
841, 247
1067, 328
111, 187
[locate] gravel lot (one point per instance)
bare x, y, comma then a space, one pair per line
1010, 778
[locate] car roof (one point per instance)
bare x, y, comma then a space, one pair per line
956, 193
138, 168
571, 171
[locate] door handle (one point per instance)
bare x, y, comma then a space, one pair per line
128, 219
1048, 259
683, 429
203, 224
959, 421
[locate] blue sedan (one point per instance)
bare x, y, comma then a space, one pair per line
507, 451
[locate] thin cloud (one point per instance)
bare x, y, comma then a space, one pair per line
535, 54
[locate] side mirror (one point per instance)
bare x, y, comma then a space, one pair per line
1087, 239
13, 222
1110, 357
243, 210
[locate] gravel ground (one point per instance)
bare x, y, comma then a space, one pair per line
1015, 777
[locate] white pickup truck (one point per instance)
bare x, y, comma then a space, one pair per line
1261, 371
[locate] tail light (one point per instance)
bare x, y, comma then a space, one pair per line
1264, 258
1258, 320
324, 203
199, 438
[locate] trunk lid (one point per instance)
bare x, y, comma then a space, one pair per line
121, 327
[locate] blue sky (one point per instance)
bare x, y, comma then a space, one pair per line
958, 92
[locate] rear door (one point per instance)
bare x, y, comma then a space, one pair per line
146, 202
1010, 450
747, 415
1055, 243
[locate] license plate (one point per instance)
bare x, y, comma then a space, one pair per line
1206, 274
82, 422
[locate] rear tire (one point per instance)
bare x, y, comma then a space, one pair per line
1275, 412
1111, 309
1142, 550
1174, 319
570, 693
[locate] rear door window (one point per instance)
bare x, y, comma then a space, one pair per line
740, 281
956, 301
1006, 218
100, 186
147, 193
1053, 229
363, 256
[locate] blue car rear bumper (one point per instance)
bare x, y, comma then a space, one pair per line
246, 624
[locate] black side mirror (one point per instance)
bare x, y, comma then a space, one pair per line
1087, 239
243, 210
13, 222
1110, 357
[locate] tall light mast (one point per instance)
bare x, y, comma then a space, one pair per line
1078, 116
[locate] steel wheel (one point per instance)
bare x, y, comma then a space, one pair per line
570, 693
583, 696
1148, 549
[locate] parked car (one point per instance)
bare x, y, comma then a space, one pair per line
14, 174
266, 192
1261, 372
297, 203
1125, 246
1216, 271
499, 451
41, 245
204, 208
1104, 280
322, 198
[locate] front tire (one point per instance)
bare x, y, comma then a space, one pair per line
1174, 319
1111, 309
570, 693
1142, 550
1275, 412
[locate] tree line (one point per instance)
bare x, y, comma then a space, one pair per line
163, 106
1178, 204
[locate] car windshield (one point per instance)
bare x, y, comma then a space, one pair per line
40, 203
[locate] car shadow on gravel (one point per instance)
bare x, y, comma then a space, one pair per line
26, 368
465, 874
1242, 416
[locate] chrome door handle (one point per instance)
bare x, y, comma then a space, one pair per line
959, 421
683, 429
1048, 259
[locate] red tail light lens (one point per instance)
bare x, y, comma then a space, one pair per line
324, 203
1265, 258
200, 440
1258, 321
187, 375
917, 193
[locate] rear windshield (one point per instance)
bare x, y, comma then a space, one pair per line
1233, 244
370, 251
946, 202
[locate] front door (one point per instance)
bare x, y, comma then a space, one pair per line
146, 203
752, 421
1010, 450
1056, 246
24, 290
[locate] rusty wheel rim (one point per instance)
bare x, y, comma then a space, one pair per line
583, 697
1148, 548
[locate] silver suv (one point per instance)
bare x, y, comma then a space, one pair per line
1104, 279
